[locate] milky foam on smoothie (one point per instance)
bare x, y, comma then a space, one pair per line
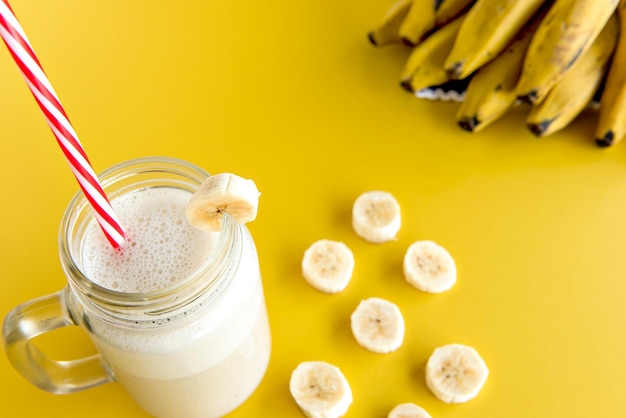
161, 247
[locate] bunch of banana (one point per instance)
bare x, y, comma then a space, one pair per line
426, 16
577, 86
424, 68
558, 56
491, 91
612, 122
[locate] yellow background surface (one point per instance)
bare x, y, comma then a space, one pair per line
292, 95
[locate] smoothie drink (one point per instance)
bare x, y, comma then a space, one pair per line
177, 314
206, 360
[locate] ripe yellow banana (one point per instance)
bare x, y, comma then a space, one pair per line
576, 89
388, 32
491, 92
424, 67
426, 15
490, 25
567, 31
612, 120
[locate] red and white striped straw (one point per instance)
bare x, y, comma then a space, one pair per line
23, 54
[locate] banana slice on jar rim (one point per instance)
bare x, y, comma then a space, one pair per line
219, 194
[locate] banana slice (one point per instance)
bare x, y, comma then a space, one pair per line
378, 325
328, 265
320, 390
376, 216
408, 410
429, 267
219, 194
455, 373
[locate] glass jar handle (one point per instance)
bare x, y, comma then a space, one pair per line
34, 318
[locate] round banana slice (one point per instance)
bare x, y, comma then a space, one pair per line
219, 194
376, 216
328, 265
429, 267
320, 390
408, 410
455, 373
378, 325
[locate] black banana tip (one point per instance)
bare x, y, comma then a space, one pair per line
539, 129
408, 42
406, 84
531, 97
606, 140
468, 123
372, 38
455, 71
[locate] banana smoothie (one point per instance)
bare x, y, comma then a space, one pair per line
177, 311
200, 358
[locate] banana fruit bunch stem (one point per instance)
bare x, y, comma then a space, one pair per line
552, 58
